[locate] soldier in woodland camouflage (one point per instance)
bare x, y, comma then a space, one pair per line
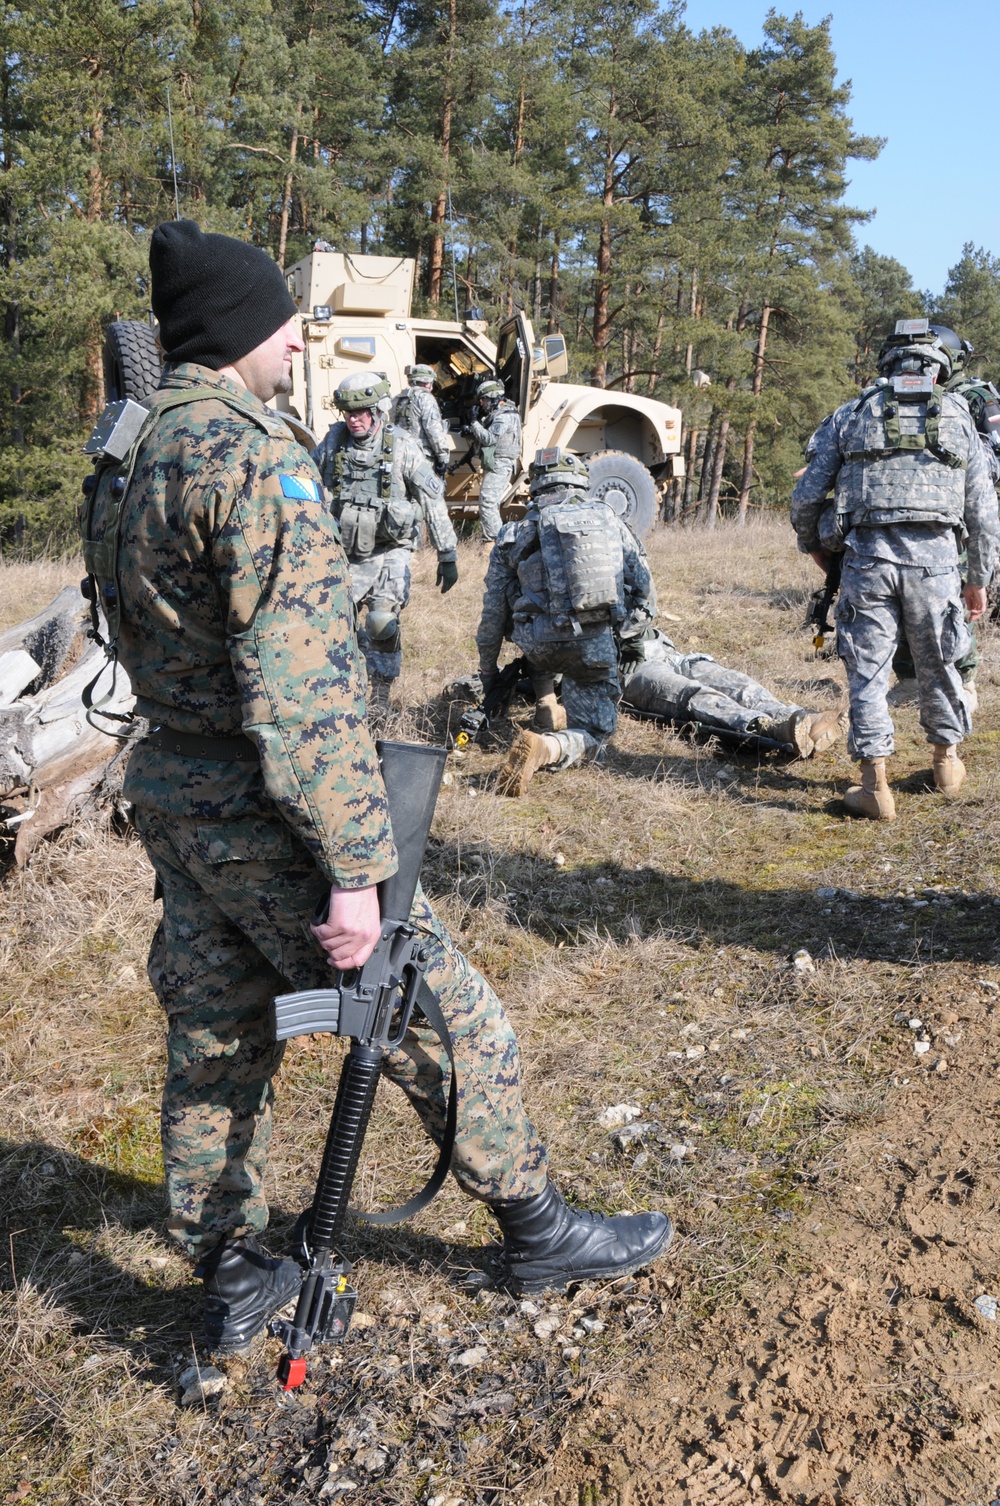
382, 490
257, 793
909, 480
416, 410
497, 434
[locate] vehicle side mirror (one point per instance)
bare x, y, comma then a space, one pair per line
556, 359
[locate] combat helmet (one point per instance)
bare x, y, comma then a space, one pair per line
421, 376
362, 389
557, 467
490, 392
960, 350
912, 349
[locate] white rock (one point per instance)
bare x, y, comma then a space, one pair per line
547, 1326
198, 1383
921, 1048
802, 962
915, 1024
528, 1309
693, 1052
618, 1113
987, 1307
470, 1358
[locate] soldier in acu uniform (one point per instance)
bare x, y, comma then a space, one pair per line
498, 437
257, 794
565, 583
910, 481
382, 489
416, 410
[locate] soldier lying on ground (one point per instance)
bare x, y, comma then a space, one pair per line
257, 795
569, 585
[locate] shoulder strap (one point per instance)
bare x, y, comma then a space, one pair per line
386, 464
100, 556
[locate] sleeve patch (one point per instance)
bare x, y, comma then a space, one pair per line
302, 488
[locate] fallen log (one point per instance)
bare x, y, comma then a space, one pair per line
51, 637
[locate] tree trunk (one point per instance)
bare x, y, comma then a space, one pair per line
718, 461
746, 481
553, 325
439, 209
286, 198
602, 281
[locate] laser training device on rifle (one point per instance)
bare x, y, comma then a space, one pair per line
822, 602
372, 1005
494, 702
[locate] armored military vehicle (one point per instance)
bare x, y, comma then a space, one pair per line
356, 314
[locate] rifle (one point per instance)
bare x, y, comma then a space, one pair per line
493, 703
372, 1005
822, 601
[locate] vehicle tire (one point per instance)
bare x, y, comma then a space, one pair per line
626, 485
131, 361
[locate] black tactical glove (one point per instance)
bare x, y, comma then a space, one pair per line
447, 575
441, 467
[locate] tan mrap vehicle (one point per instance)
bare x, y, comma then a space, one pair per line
356, 313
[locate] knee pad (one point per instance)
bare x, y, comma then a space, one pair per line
382, 627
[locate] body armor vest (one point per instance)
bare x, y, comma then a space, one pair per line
905, 452
570, 568
372, 512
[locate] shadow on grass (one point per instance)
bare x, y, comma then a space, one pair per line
62, 1218
609, 900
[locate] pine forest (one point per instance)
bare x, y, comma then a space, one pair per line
676, 204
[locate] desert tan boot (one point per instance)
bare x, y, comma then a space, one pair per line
949, 770
529, 752
549, 715
872, 797
826, 728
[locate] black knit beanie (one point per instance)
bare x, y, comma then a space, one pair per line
216, 298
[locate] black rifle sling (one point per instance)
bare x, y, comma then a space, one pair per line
431, 1010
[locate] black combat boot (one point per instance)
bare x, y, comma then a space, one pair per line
547, 1245
243, 1289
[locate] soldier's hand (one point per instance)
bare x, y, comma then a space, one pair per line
823, 558
447, 575
975, 601
352, 927
441, 466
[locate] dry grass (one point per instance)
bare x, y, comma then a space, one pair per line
637, 920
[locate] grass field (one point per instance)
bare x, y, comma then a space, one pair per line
813, 1336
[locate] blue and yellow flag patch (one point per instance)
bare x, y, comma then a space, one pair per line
302, 488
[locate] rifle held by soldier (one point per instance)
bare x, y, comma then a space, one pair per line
372, 1005
822, 603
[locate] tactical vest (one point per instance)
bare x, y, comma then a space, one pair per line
401, 409
366, 502
570, 566
506, 443
105, 494
905, 452
984, 405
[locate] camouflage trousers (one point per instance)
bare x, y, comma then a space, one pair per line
237, 896
695, 688
381, 583
492, 490
591, 706
878, 600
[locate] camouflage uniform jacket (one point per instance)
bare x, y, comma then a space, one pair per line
416, 410
412, 478
504, 594
501, 432
908, 489
982, 400
237, 616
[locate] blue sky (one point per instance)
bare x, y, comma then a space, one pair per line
916, 69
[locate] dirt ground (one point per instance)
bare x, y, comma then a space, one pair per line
824, 1329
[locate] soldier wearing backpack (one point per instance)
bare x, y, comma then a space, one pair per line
497, 436
909, 483
566, 584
